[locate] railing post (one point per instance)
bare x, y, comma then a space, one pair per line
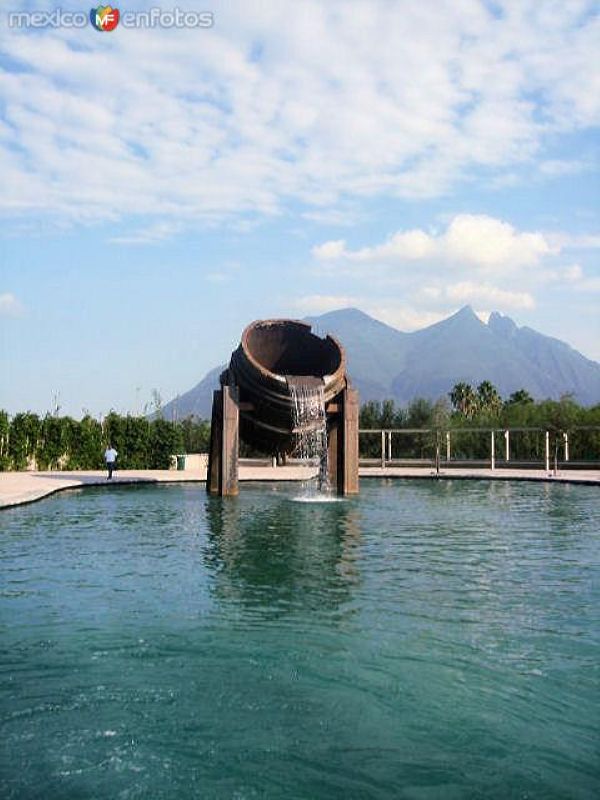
566, 444
493, 451
447, 445
389, 444
547, 451
507, 445
382, 449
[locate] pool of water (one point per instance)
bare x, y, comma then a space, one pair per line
424, 640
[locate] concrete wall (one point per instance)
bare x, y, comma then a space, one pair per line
194, 462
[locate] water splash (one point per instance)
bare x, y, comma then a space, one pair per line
316, 497
310, 430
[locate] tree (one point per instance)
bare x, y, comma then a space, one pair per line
114, 433
488, 398
4, 433
370, 419
418, 415
135, 442
165, 439
86, 444
23, 439
464, 399
558, 418
388, 414
54, 444
196, 435
370, 415
439, 422
521, 396
156, 403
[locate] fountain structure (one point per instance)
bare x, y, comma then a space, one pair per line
286, 392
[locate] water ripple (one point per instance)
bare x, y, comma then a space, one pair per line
425, 640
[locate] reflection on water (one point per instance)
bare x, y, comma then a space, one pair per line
280, 556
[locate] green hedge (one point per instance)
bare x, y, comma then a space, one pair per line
54, 442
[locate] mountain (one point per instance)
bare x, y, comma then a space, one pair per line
374, 350
197, 402
386, 363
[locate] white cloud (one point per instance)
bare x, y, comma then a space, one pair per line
572, 274
591, 285
490, 243
321, 303
471, 292
413, 245
10, 306
331, 216
153, 234
582, 242
330, 251
469, 240
306, 103
556, 167
403, 317
481, 295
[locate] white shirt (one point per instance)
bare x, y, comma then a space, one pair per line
110, 455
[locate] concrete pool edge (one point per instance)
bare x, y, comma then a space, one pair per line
581, 477
21, 488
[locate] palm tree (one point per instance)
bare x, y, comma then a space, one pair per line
520, 396
489, 399
464, 399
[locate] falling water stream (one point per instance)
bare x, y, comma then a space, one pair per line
310, 429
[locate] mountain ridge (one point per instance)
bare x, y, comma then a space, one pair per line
384, 362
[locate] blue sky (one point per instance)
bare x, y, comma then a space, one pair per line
162, 188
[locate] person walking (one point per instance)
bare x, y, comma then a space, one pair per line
110, 457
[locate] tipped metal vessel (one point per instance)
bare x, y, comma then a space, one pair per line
271, 357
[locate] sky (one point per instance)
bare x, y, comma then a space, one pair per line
162, 187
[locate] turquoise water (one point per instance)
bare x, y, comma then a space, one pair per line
425, 640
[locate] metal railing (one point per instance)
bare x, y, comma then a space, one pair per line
556, 447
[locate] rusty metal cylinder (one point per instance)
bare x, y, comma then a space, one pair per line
272, 356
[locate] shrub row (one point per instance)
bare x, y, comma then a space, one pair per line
52, 442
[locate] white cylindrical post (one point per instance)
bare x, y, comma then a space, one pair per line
507, 445
547, 451
389, 443
382, 449
448, 446
566, 443
493, 451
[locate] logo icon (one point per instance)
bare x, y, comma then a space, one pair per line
104, 18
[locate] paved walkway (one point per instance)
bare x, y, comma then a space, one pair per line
17, 488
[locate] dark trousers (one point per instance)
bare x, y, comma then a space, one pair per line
110, 465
